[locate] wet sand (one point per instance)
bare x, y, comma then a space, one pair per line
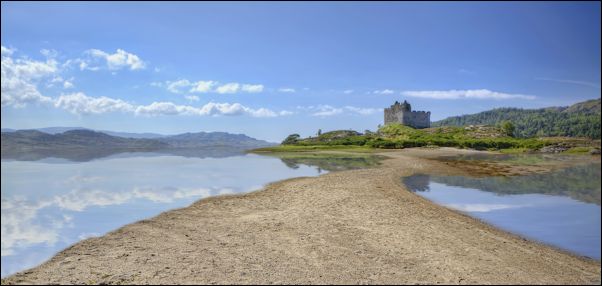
348, 227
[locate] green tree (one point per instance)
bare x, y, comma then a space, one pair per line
508, 128
319, 132
291, 139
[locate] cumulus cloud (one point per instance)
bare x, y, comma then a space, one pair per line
228, 88
348, 91
384, 91
175, 86
471, 93
118, 60
287, 90
79, 103
203, 86
20, 78
7, 51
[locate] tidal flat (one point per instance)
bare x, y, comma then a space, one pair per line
345, 227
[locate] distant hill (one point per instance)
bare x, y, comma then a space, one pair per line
56, 130
204, 139
578, 120
32, 140
80, 144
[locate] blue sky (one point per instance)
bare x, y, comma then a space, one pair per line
272, 69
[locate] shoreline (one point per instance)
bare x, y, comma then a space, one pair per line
351, 227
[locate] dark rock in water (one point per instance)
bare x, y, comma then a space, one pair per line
594, 151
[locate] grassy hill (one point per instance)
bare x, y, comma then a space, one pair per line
578, 120
397, 136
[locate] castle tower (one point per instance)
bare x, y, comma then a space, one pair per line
402, 113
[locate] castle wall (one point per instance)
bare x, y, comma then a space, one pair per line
417, 119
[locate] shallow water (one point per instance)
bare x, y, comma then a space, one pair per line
52, 203
560, 208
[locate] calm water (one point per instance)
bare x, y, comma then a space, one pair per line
52, 203
560, 208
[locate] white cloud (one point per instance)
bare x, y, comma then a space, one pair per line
67, 84
384, 91
252, 88
203, 86
327, 110
175, 86
156, 83
287, 89
363, 111
7, 51
232, 87
49, 53
348, 91
206, 86
116, 61
209, 109
79, 103
20, 78
285, 113
192, 98
471, 93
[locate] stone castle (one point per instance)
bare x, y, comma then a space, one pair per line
402, 113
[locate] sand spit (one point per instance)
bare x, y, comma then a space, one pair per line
348, 227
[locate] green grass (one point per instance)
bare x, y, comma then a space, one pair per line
397, 136
578, 150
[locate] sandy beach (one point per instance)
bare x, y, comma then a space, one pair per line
348, 227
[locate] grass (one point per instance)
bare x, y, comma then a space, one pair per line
397, 136
578, 150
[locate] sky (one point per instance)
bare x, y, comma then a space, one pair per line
272, 69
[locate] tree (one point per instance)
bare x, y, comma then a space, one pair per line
319, 132
291, 139
508, 128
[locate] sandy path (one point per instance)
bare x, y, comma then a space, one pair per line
350, 227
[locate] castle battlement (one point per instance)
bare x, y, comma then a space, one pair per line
402, 113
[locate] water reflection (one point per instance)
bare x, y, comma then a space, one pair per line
88, 154
329, 162
561, 208
52, 203
578, 182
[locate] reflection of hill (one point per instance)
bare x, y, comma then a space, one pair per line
88, 154
329, 162
84, 145
579, 182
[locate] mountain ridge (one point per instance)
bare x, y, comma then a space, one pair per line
581, 119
